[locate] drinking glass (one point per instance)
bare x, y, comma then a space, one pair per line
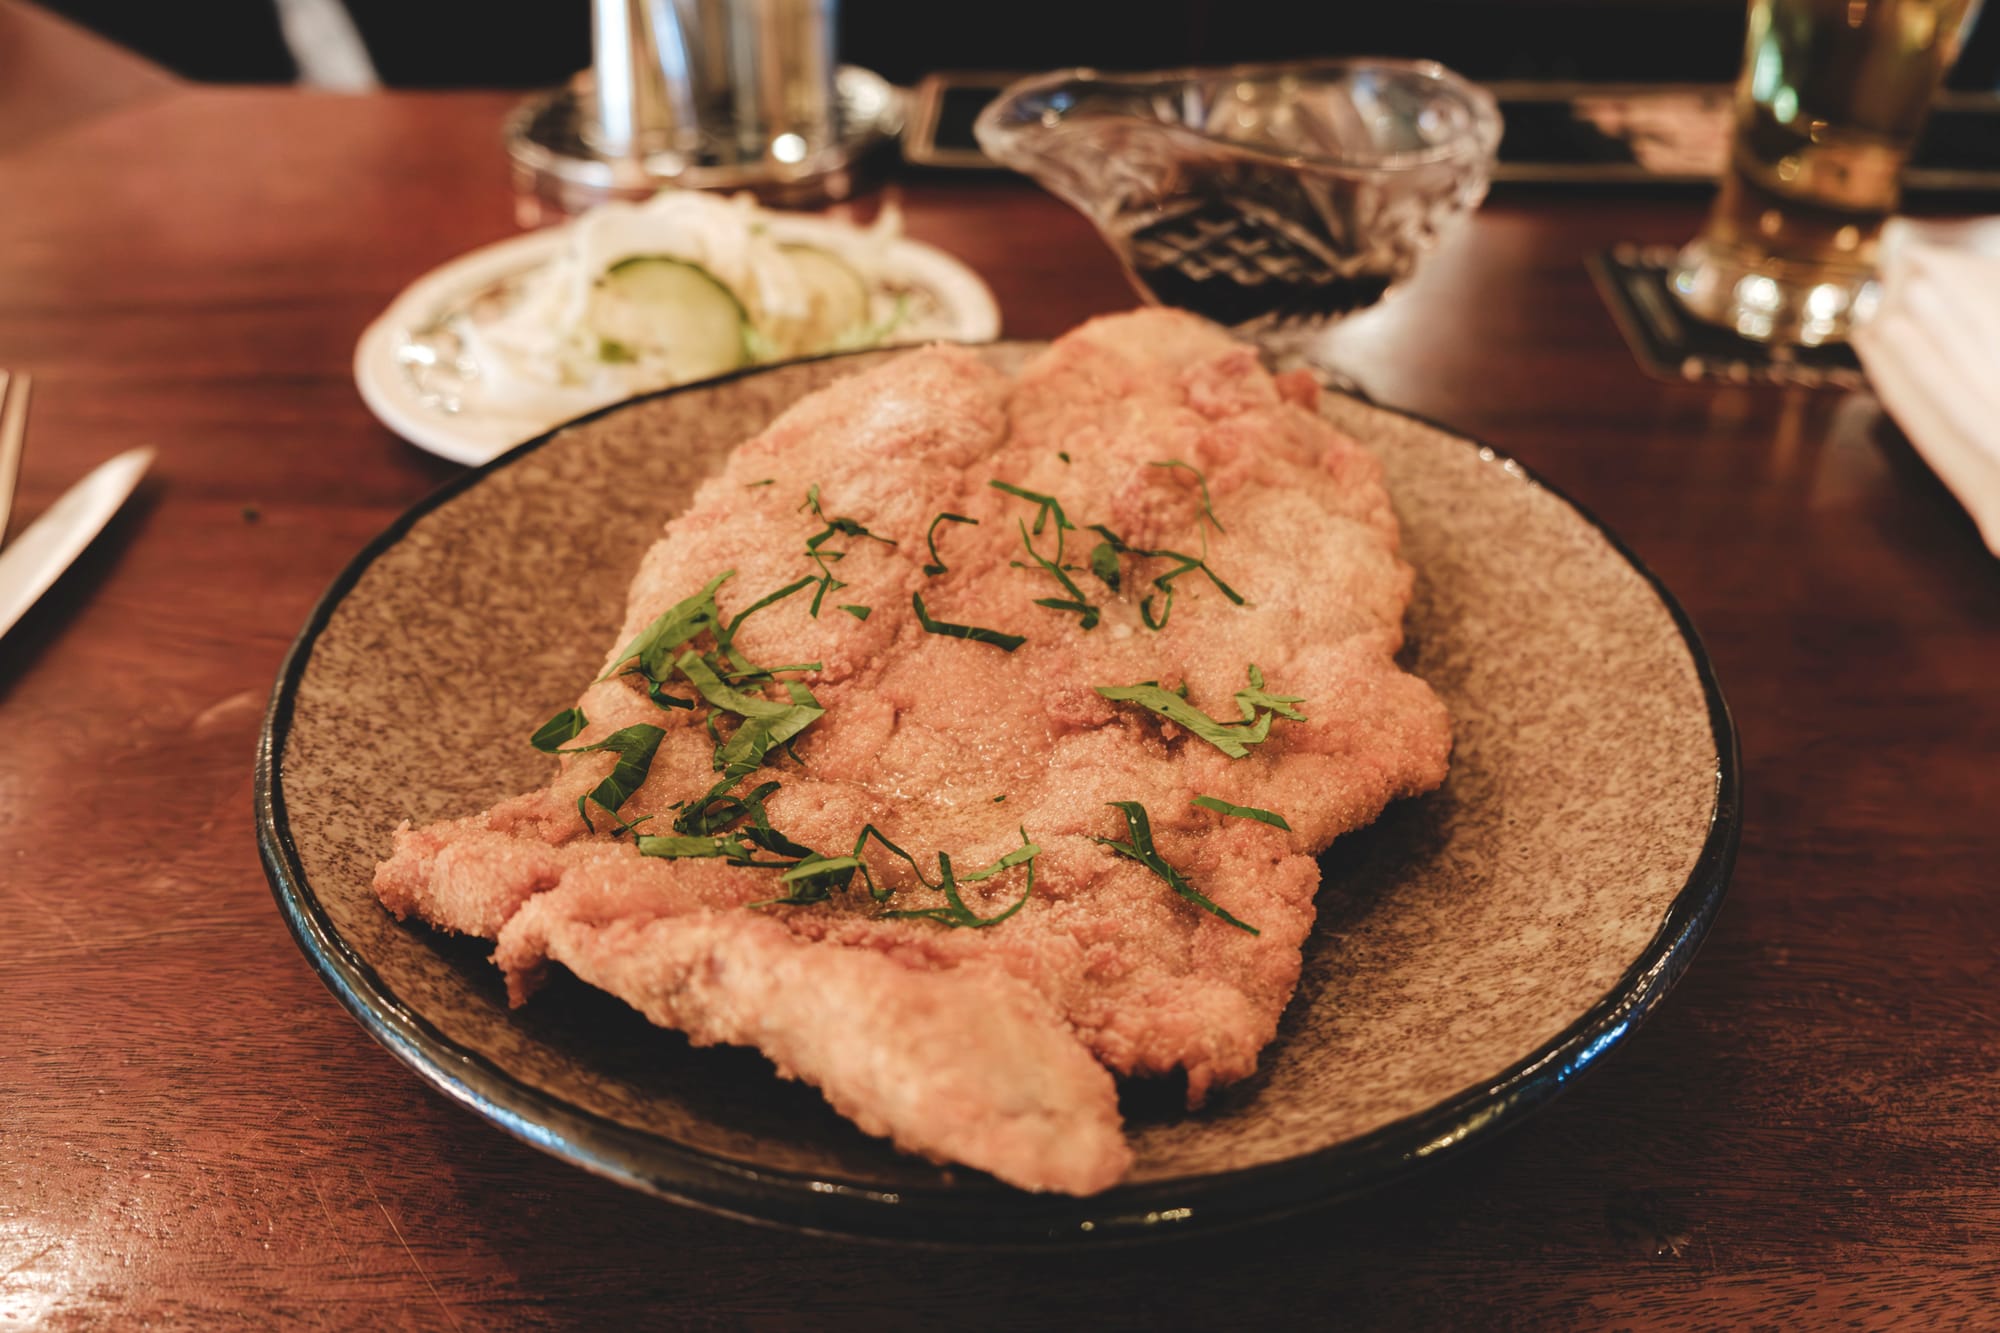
1829, 104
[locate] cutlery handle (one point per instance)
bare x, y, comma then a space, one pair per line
13, 432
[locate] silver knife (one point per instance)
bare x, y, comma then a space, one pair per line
33, 560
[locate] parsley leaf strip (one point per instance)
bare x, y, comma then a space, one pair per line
681, 846
674, 627
765, 675
1088, 614
745, 751
1207, 507
634, 746
1222, 807
1232, 738
936, 566
814, 879
1005, 642
955, 913
1104, 564
725, 638
1252, 699
724, 696
835, 527
876, 891
716, 809
1140, 830
559, 731
1164, 582
657, 692
766, 721
1021, 855
1050, 507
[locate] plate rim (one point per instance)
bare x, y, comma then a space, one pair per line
981, 1212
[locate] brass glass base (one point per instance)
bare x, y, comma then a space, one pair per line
558, 173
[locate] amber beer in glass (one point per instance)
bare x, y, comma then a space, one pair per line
1832, 95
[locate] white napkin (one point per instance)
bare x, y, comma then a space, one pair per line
1932, 352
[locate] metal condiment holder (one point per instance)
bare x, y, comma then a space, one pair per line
703, 94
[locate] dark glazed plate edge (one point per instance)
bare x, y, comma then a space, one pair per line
976, 1210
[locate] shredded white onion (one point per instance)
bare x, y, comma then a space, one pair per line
539, 351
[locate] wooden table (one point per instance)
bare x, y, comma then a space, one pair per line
193, 1133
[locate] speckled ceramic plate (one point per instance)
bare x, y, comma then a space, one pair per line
1476, 949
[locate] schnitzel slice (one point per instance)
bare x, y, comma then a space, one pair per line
970, 740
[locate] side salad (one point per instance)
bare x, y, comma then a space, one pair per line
681, 287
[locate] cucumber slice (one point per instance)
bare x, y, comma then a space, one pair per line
837, 295
655, 308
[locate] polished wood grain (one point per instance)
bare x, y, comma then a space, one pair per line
192, 1133
53, 74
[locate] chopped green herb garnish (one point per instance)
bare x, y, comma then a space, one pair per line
1087, 614
619, 826
1222, 807
681, 846
760, 833
675, 626
703, 819
1063, 454
612, 352
717, 809
1252, 699
764, 675
1050, 507
753, 485
1021, 855
725, 637
738, 848
634, 747
1140, 830
765, 721
719, 693
1165, 582
1006, 642
1076, 603
814, 879
835, 527
876, 891
559, 730
1104, 564
955, 913
753, 739
1232, 738
657, 692
1207, 507
998, 799
820, 867
858, 612
936, 566
810, 877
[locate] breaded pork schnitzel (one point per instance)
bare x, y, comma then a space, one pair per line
970, 739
